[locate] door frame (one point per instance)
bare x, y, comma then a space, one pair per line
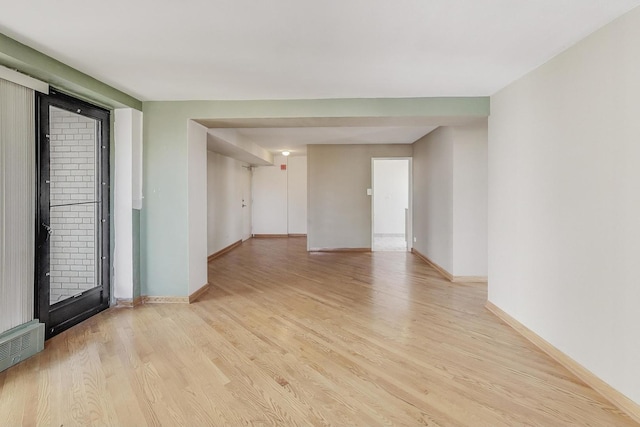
247, 202
75, 309
409, 219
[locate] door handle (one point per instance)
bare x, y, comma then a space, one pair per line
49, 231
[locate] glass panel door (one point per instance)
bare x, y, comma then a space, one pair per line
73, 214
74, 197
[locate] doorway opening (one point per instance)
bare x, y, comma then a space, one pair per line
391, 204
247, 202
72, 223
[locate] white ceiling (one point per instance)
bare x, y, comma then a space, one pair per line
306, 49
296, 49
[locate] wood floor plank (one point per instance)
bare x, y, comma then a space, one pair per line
286, 337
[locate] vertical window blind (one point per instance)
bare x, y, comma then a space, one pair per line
17, 204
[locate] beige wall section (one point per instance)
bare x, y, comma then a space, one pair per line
224, 201
470, 200
564, 202
433, 196
339, 208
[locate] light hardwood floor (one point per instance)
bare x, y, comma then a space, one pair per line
284, 337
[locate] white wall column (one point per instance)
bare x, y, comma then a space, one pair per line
127, 196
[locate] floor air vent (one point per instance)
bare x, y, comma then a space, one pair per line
20, 343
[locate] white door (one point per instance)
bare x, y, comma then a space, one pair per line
246, 203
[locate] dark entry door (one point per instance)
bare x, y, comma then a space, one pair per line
72, 224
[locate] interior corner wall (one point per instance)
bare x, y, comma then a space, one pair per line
433, 196
470, 198
339, 208
224, 201
564, 202
450, 198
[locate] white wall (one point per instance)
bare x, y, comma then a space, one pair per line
297, 194
433, 196
390, 196
280, 197
224, 201
127, 196
470, 190
564, 202
123, 197
269, 187
197, 176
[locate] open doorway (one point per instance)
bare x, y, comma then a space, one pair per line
391, 204
247, 198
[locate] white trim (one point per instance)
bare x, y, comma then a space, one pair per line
123, 250
23, 80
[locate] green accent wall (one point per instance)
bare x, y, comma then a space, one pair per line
27, 60
164, 245
135, 215
344, 107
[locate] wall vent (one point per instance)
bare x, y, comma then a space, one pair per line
20, 343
